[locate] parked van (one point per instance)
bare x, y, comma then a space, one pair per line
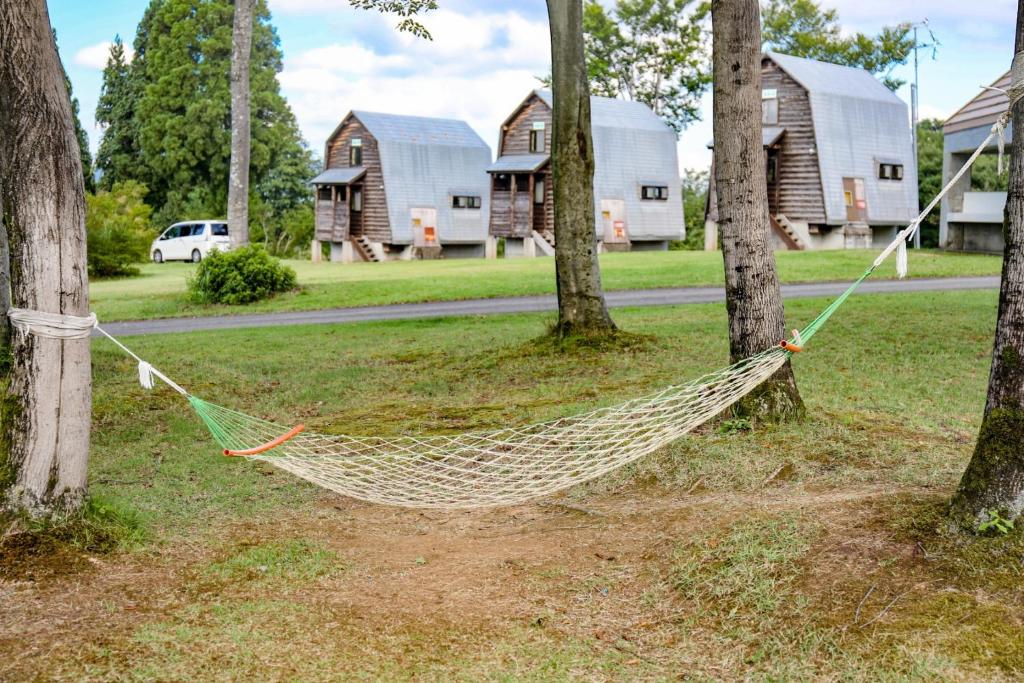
190, 241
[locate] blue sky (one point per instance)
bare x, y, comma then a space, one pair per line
486, 54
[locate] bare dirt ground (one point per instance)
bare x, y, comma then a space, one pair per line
421, 590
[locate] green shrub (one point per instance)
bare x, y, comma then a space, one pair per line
118, 229
242, 276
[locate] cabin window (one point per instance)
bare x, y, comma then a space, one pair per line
324, 194
465, 202
537, 140
659, 192
773, 168
355, 152
538, 191
890, 171
502, 182
770, 106
522, 182
357, 200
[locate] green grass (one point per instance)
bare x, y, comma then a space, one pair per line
745, 578
160, 291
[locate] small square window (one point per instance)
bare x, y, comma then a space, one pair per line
655, 192
897, 172
465, 202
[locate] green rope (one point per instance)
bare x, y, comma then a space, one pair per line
812, 327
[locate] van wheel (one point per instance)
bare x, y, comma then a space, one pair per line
158, 257
196, 256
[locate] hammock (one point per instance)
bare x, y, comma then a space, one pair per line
497, 467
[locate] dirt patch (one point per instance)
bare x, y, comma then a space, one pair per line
437, 592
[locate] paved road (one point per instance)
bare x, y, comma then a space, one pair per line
527, 304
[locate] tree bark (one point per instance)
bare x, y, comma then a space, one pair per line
46, 407
238, 183
581, 304
753, 298
994, 479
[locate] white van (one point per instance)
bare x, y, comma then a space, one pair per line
190, 241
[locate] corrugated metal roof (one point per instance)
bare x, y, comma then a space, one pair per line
982, 110
518, 163
339, 176
833, 79
419, 130
771, 134
608, 112
857, 120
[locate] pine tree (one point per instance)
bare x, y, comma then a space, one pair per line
118, 151
170, 109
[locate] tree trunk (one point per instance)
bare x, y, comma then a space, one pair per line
581, 305
994, 479
753, 299
47, 404
238, 183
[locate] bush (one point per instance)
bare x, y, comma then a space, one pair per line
241, 276
118, 229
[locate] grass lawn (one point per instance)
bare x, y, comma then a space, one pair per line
792, 552
160, 292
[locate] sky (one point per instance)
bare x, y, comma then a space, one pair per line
486, 55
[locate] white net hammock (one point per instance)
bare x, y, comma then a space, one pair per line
501, 466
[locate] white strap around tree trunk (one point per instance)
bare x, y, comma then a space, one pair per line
52, 325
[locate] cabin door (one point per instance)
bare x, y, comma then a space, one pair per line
855, 199
615, 229
424, 227
522, 199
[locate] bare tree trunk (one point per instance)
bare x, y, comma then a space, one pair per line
47, 407
753, 299
238, 182
994, 479
581, 305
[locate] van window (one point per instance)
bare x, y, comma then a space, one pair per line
186, 231
220, 230
171, 233
198, 230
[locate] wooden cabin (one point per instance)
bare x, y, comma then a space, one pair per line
637, 195
402, 187
839, 157
972, 220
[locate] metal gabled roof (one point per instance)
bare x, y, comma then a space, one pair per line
833, 79
982, 110
609, 112
339, 176
419, 130
771, 134
518, 163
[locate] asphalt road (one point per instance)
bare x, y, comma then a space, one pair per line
527, 304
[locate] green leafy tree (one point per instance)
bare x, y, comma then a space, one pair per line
118, 154
117, 222
929, 176
802, 28
650, 51
172, 122
695, 197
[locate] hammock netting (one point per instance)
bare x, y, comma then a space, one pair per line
503, 466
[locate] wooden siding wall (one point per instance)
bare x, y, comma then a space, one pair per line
982, 110
374, 224
798, 181
516, 140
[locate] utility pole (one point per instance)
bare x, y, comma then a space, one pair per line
915, 88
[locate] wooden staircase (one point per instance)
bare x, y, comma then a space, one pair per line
548, 236
784, 229
364, 248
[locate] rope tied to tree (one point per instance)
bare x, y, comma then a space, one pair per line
51, 325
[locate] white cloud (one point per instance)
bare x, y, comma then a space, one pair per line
477, 68
95, 56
